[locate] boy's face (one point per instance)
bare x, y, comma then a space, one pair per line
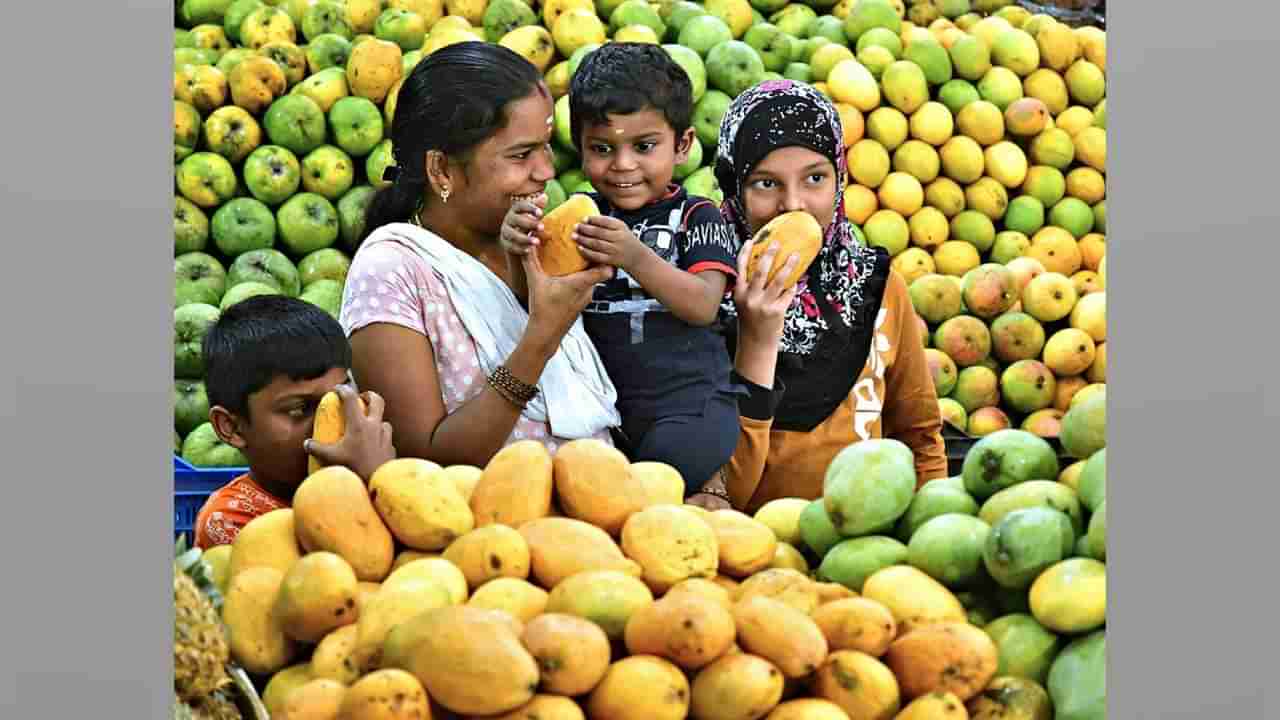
630, 158
281, 417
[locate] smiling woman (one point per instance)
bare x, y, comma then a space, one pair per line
435, 327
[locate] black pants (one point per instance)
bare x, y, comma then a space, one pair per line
695, 445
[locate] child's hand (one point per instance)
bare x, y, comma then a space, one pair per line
709, 497
366, 444
522, 224
608, 241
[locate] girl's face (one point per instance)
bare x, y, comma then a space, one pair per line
514, 162
788, 179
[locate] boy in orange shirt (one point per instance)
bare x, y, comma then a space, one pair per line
268, 361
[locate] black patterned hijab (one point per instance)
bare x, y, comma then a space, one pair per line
828, 327
784, 113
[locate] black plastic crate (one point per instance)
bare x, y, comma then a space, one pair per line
958, 443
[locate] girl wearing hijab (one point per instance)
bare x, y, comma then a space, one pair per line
836, 359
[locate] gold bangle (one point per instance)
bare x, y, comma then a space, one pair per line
505, 395
511, 387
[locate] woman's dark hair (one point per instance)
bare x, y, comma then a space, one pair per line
453, 100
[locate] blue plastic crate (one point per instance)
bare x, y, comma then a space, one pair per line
191, 487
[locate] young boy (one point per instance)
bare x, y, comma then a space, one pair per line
268, 361
631, 107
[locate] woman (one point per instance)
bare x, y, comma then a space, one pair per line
434, 325
838, 358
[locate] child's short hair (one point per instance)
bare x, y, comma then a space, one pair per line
263, 337
624, 78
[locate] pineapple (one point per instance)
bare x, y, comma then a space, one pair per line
182, 711
217, 706
200, 651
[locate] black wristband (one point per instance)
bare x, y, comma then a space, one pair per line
761, 402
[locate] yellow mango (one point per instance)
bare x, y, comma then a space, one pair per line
420, 504
671, 544
318, 595
266, 541
468, 660
515, 487
493, 551
333, 512
257, 639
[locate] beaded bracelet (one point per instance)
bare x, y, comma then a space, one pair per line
507, 385
720, 492
715, 492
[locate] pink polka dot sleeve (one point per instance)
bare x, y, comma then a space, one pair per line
390, 283
387, 283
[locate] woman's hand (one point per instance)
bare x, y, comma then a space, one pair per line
555, 302
522, 224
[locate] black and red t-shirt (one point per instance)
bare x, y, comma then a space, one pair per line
660, 364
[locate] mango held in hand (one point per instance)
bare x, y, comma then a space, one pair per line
796, 232
558, 253
329, 425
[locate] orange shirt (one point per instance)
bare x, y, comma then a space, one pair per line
893, 398
230, 508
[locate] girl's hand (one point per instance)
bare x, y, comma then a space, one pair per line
762, 307
709, 497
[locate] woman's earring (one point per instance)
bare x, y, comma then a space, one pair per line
444, 194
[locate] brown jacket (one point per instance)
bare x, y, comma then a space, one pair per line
894, 398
